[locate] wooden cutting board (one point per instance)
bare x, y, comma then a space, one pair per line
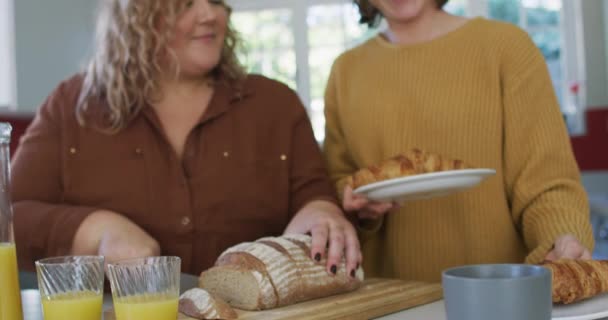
377, 297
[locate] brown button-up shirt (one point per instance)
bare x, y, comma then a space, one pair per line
248, 166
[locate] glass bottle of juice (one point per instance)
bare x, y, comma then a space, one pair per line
10, 294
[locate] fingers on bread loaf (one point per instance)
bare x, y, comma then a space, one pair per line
199, 304
412, 162
274, 272
575, 280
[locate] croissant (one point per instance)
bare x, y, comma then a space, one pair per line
575, 280
412, 162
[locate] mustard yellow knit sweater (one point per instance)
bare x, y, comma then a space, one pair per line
481, 93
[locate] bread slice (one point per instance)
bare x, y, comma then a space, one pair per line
199, 304
412, 162
314, 281
342, 280
295, 280
286, 261
277, 267
239, 256
240, 287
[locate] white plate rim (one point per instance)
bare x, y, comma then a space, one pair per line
482, 172
588, 316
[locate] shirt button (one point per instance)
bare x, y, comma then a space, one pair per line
185, 221
139, 151
283, 157
226, 154
73, 150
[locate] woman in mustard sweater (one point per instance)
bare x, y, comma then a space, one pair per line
472, 89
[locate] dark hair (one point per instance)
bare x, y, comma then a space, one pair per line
371, 16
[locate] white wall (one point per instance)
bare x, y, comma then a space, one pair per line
606, 30
7, 85
52, 39
596, 57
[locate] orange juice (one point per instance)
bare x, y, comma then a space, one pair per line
85, 305
158, 307
10, 294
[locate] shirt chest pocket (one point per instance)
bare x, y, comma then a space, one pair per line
112, 179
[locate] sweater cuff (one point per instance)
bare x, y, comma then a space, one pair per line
541, 231
340, 184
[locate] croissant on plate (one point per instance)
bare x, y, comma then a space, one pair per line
412, 162
575, 280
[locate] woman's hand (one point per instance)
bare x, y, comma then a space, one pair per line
365, 208
329, 229
568, 247
113, 236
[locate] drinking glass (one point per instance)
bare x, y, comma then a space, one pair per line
71, 287
145, 288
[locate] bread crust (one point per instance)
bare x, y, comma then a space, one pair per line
199, 304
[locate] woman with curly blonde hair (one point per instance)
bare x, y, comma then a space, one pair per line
164, 145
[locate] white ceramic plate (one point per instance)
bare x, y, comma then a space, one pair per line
424, 186
594, 308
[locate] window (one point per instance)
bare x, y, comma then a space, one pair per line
273, 51
7, 64
296, 41
541, 18
332, 28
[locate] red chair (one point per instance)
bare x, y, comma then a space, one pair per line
19, 122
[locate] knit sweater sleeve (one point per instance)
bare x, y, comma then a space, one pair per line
339, 160
340, 163
541, 175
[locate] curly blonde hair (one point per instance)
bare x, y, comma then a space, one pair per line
125, 69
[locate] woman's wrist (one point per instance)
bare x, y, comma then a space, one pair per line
88, 236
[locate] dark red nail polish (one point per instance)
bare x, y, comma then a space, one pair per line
318, 257
352, 273
334, 269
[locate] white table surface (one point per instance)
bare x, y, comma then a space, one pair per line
431, 311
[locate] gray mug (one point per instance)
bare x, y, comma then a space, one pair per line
497, 292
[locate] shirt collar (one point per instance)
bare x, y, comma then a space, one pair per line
225, 96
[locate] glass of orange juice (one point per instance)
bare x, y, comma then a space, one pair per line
71, 287
145, 288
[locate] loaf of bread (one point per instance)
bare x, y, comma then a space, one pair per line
575, 280
410, 163
199, 304
274, 272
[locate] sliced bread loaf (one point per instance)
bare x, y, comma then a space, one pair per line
285, 264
